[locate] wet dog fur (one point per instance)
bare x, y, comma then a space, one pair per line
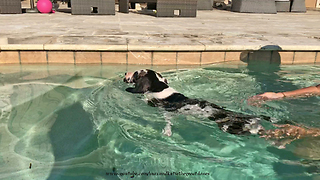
159, 94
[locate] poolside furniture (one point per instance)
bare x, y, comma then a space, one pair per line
298, 6
254, 6
124, 6
165, 8
291, 5
283, 5
205, 5
10, 7
91, 7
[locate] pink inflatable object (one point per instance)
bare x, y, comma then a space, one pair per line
44, 6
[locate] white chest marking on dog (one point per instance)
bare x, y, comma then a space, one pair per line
160, 95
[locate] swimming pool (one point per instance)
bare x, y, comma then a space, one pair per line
78, 122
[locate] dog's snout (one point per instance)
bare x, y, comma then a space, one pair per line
128, 77
127, 80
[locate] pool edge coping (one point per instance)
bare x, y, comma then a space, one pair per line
158, 48
155, 54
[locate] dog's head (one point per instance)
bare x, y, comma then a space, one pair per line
145, 80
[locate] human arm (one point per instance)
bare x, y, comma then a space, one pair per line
311, 90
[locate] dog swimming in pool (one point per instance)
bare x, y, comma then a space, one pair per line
158, 93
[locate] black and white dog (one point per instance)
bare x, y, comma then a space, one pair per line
159, 94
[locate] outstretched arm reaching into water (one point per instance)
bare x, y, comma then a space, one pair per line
287, 133
308, 91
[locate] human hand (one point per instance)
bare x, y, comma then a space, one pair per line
267, 96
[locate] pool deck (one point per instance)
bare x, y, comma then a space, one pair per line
212, 37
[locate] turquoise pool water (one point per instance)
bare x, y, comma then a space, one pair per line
79, 123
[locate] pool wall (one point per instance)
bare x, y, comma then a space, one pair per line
155, 55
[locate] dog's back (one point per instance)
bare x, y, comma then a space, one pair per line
228, 121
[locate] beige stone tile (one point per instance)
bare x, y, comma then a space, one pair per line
88, 58
164, 58
286, 57
61, 57
233, 56
139, 57
9, 57
304, 57
189, 58
162, 47
84, 47
114, 57
212, 57
22, 47
33, 57
318, 58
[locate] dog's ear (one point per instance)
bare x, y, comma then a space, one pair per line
137, 75
142, 85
